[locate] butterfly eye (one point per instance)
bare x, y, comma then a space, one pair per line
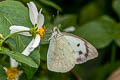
56, 30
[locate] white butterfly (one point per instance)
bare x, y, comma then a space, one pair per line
66, 50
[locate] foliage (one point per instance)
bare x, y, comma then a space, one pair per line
97, 21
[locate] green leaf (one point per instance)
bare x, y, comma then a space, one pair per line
117, 35
43, 51
99, 32
17, 14
106, 69
3, 75
4, 25
35, 55
91, 9
50, 3
13, 13
116, 6
66, 20
23, 77
20, 57
30, 71
18, 44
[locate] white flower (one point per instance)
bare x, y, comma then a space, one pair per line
37, 19
69, 29
12, 72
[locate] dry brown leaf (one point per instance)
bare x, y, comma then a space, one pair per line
115, 75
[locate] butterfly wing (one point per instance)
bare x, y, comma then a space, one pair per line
60, 56
84, 51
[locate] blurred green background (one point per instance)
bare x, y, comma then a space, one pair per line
97, 21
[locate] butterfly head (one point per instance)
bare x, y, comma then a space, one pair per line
55, 33
56, 30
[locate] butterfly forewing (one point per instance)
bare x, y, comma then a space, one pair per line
61, 56
66, 50
84, 51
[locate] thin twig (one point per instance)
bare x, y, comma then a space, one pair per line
77, 77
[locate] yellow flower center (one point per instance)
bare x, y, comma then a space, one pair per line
41, 31
12, 72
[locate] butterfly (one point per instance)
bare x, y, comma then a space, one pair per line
66, 49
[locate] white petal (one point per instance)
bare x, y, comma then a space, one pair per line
19, 73
13, 62
69, 29
36, 41
5, 68
16, 78
20, 28
29, 48
40, 19
32, 45
33, 12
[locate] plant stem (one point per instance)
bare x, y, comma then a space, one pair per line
4, 57
113, 55
11, 35
77, 77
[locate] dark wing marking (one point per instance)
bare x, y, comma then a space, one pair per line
85, 51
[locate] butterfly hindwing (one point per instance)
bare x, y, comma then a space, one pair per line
61, 56
84, 51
